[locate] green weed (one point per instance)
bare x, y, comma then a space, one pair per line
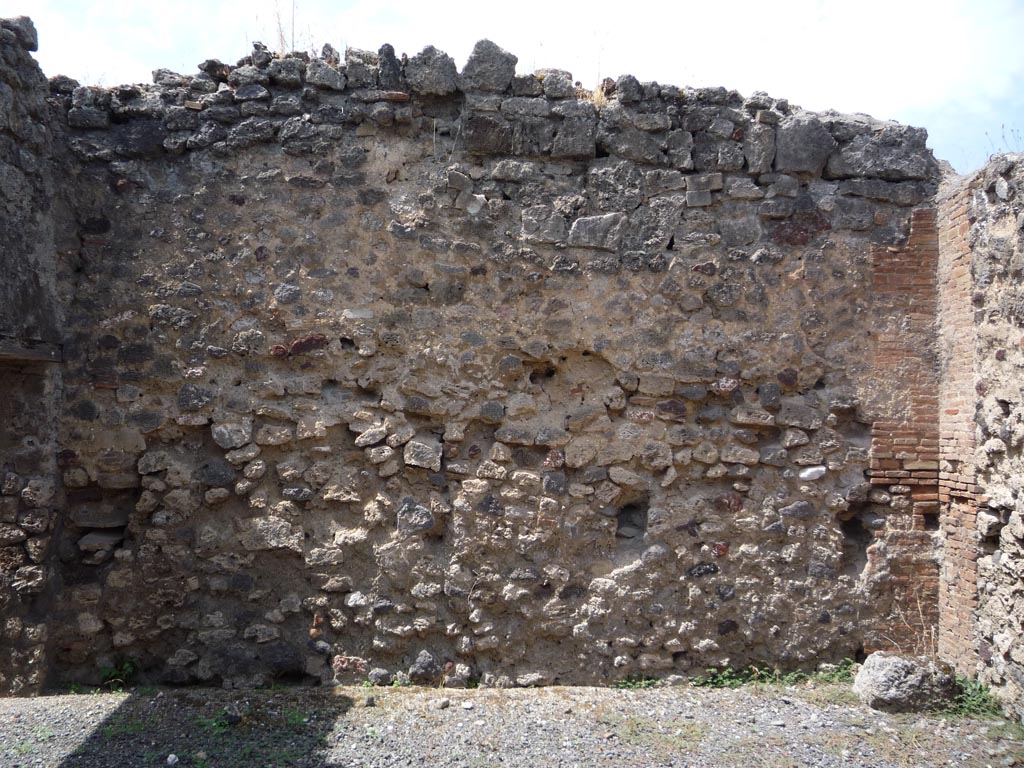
294, 718
755, 675
116, 678
127, 726
973, 699
215, 724
636, 683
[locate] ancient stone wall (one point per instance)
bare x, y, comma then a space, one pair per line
372, 357
29, 347
996, 217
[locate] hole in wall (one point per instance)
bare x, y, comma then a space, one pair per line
856, 538
540, 373
931, 521
631, 522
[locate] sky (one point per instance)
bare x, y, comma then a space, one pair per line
955, 67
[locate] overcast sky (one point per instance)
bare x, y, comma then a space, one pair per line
955, 67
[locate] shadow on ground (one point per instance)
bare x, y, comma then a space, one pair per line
204, 728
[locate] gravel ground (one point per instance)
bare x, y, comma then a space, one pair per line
807, 725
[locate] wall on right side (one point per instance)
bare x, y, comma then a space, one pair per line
982, 474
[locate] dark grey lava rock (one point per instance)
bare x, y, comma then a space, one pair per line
895, 682
432, 73
425, 669
489, 68
802, 144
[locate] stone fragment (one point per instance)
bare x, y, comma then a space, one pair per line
426, 669
739, 454
813, 473
24, 31
423, 451
431, 73
487, 134
270, 434
232, 434
266, 533
322, 74
414, 518
600, 232
759, 148
801, 510
543, 225
489, 68
102, 515
890, 151
802, 144
286, 72
794, 414
894, 682
744, 414
192, 397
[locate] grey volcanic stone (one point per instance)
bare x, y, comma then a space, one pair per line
425, 669
24, 30
802, 144
489, 68
432, 73
895, 153
895, 682
323, 74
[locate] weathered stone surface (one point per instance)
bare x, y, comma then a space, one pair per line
802, 144
322, 74
489, 68
879, 150
431, 73
423, 451
426, 669
232, 434
262, 533
601, 232
895, 682
375, 356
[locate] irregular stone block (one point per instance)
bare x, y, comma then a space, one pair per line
759, 148
414, 518
322, 74
489, 68
423, 451
263, 533
487, 134
600, 232
802, 144
233, 434
894, 153
894, 682
431, 73
543, 225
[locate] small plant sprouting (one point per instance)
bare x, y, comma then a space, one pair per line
754, 675
216, 724
636, 683
116, 678
973, 699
